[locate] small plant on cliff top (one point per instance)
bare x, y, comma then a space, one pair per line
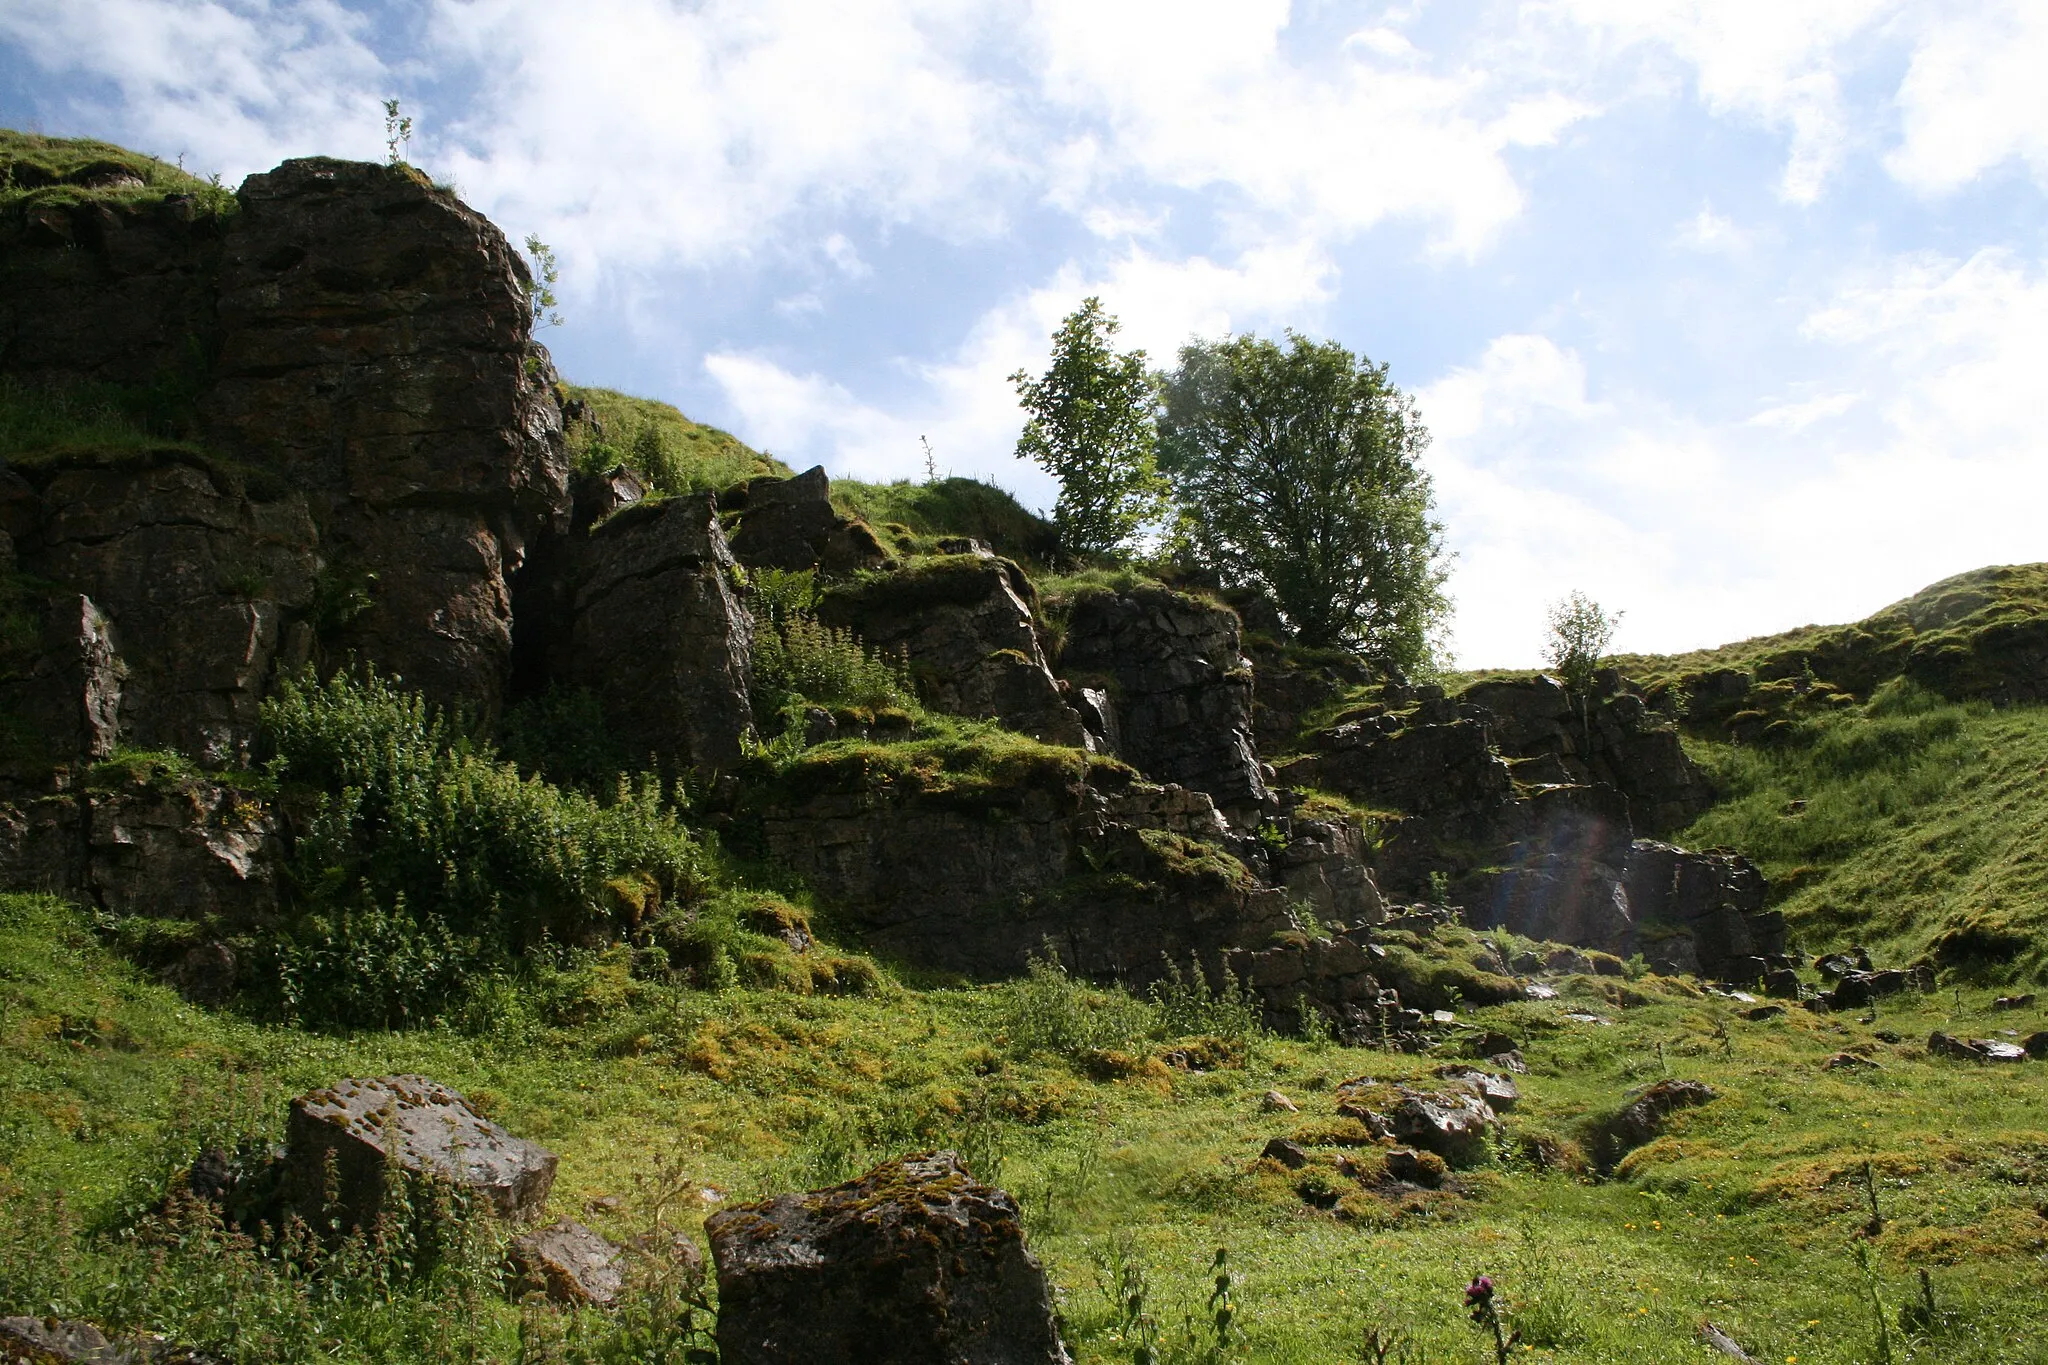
1580, 632
543, 272
397, 133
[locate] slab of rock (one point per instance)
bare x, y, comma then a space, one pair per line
422, 1126
376, 345
1497, 1091
59, 1341
1848, 1061
660, 636
913, 1263
566, 1262
1940, 1044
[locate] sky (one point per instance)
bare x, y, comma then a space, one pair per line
1731, 314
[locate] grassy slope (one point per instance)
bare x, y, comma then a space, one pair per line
678, 455
1745, 1213
37, 170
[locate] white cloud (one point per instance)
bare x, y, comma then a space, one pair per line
1974, 96
1711, 532
1711, 232
1777, 63
233, 87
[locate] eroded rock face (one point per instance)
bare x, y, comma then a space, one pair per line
197, 580
191, 850
661, 637
1609, 738
425, 1129
1716, 899
964, 625
1644, 1118
375, 347
60, 692
791, 524
1182, 689
916, 1262
978, 885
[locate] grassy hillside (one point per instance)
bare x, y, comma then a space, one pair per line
1748, 1212
676, 454
37, 171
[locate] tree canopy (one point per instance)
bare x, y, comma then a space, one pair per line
1298, 472
1092, 428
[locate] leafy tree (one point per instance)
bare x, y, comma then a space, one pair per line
1092, 429
1299, 472
1580, 632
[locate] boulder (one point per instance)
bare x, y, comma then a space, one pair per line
1454, 1124
659, 635
1289, 1154
1940, 1044
1857, 989
914, 1262
58, 1341
1182, 685
372, 1129
567, 1263
1717, 898
1416, 1168
1644, 1117
964, 625
791, 524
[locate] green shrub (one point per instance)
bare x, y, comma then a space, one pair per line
424, 859
1189, 1007
1049, 1011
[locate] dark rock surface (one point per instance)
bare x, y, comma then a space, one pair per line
1940, 1044
1182, 690
1643, 1118
60, 691
915, 1263
660, 636
964, 625
791, 524
59, 1341
183, 849
977, 884
423, 1127
197, 580
566, 1263
375, 347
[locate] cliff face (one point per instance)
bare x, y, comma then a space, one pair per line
382, 439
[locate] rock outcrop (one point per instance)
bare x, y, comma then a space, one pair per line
658, 633
565, 1263
375, 348
975, 878
364, 1130
1182, 690
964, 625
916, 1261
791, 524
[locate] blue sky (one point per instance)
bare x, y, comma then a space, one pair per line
1730, 313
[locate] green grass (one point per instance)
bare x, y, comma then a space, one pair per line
37, 171
1746, 1212
676, 454
1916, 825
917, 515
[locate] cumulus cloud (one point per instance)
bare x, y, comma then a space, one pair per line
1973, 97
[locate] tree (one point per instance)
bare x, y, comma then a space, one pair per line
1092, 428
1298, 473
1580, 632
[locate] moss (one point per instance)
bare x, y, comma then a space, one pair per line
981, 766
920, 585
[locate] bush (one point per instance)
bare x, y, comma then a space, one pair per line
1049, 1011
424, 859
1189, 1008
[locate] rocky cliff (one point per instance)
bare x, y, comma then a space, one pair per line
344, 449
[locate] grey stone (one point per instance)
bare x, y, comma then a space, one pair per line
566, 1263
423, 1127
914, 1262
1455, 1125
